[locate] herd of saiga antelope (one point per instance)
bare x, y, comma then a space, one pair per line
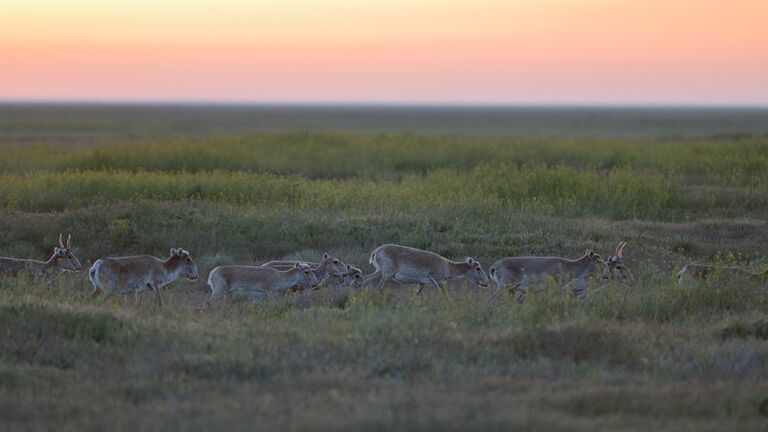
392, 263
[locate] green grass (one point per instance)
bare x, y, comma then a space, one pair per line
723, 161
484, 189
651, 356
388, 360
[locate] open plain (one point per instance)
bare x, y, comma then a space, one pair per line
237, 185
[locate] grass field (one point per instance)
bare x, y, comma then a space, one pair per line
653, 356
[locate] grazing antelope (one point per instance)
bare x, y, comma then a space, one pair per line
615, 264
407, 265
519, 273
328, 268
259, 282
691, 274
62, 260
134, 274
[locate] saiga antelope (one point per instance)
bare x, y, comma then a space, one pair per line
134, 274
259, 282
62, 260
615, 264
352, 278
519, 273
328, 268
407, 265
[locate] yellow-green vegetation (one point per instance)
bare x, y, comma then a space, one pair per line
652, 356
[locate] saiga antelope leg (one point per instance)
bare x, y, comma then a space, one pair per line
368, 279
439, 287
384, 280
156, 289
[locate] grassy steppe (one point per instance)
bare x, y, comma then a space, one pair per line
652, 356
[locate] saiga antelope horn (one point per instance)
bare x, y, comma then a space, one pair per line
620, 249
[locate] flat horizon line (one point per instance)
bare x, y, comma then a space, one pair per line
375, 104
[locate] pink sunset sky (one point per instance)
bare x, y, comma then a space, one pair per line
420, 51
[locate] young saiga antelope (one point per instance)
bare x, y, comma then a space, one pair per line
407, 265
134, 274
62, 260
520, 273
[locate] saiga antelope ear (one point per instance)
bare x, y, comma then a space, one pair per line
59, 251
470, 261
297, 265
326, 257
174, 252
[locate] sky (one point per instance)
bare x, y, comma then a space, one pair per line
651, 52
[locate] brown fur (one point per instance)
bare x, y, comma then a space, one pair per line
408, 265
62, 260
520, 272
329, 268
134, 274
259, 282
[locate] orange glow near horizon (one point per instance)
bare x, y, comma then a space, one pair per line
450, 51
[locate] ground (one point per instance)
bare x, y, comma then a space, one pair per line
654, 355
